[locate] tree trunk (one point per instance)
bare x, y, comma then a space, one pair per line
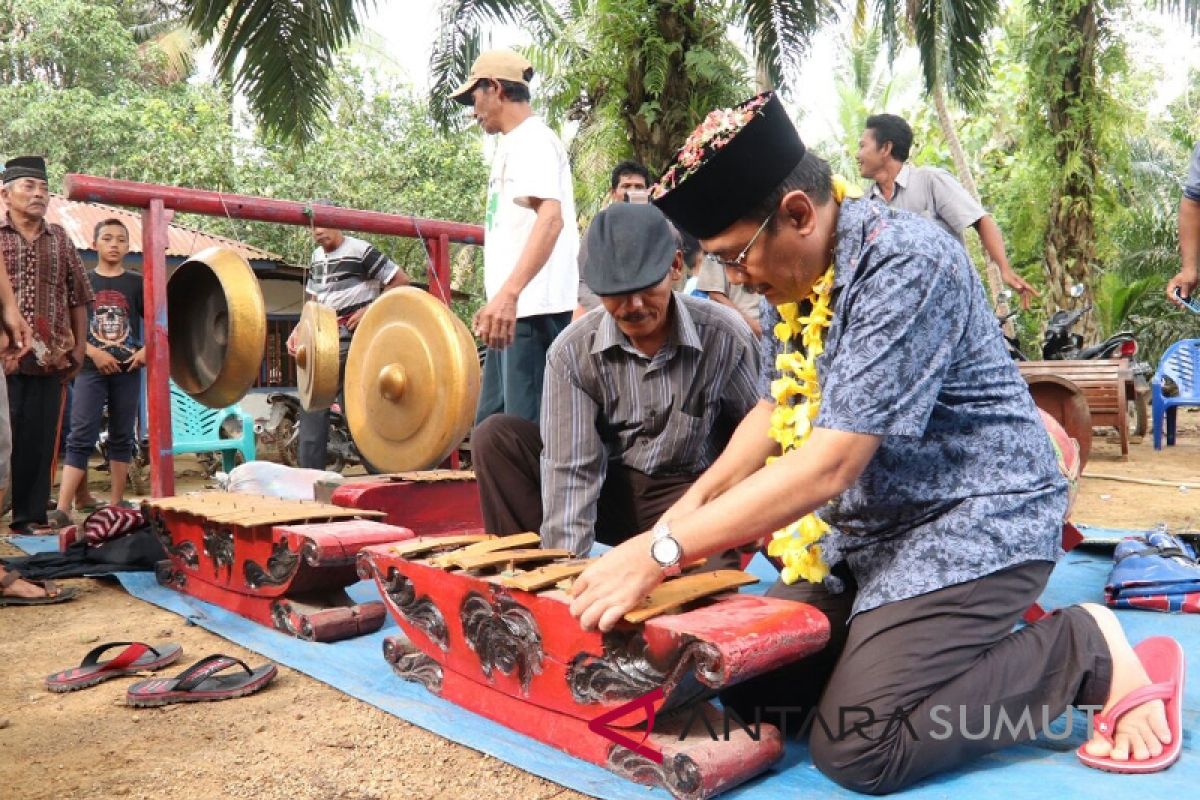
991, 269
1070, 245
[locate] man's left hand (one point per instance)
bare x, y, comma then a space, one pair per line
496, 322
614, 584
1022, 287
136, 361
353, 320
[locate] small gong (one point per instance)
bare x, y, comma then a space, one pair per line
317, 356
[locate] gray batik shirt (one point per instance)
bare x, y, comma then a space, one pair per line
965, 481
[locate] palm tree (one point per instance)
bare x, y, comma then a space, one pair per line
279, 53
651, 68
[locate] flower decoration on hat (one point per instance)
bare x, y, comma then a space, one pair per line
716, 131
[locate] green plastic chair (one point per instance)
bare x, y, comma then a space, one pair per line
196, 428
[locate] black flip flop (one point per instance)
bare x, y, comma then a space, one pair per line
201, 682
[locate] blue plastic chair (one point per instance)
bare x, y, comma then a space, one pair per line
1181, 363
196, 428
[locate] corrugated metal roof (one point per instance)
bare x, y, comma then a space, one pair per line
79, 220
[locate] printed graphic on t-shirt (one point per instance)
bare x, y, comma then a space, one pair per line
110, 328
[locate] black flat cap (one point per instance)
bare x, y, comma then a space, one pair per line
630, 247
736, 171
24, 167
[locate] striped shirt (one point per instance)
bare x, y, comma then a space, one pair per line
667, 415
350, 276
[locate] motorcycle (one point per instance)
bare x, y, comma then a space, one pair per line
1061, 343
280, 432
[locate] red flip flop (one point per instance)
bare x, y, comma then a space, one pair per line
1164, 661
200, 682
136, 657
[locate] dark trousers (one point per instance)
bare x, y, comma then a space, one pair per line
121, 393
909, 674
512, 377
506, 454
312, 440
35, 405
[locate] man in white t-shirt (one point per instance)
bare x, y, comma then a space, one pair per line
531, 240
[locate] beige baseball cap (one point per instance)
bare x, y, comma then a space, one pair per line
501, 64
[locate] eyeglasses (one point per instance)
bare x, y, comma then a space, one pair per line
739, 261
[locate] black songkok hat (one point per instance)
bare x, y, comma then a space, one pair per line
735, 158
25, 167
630, 247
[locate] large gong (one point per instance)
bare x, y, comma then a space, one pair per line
412, 381
317, 356
216, 326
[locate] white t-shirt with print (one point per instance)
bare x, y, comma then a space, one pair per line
530, 162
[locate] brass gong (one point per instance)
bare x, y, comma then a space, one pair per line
412, 381
317, 356
216, 326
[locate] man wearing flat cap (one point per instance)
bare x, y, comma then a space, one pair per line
911, 487
640, 397
53, 293
529, 252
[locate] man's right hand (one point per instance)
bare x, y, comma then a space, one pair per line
106, 363
291, 342
1185, 281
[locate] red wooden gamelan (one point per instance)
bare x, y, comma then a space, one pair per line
428, 502
519, 658
282, 563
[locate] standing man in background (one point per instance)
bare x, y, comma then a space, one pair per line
53, 294
929, 191
1189, 235
532, 242
347, 274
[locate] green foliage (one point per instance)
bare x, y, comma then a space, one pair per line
71, 44
376, 151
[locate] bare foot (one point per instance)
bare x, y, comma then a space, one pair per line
23, 588
1142, 732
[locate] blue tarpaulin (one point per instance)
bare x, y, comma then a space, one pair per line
1045, 767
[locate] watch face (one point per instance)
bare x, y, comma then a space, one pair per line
666, 551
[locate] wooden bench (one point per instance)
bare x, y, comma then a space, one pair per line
1102, 382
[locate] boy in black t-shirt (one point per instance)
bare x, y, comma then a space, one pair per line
110, 374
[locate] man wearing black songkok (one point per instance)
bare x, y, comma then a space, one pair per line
53, 294
891, 409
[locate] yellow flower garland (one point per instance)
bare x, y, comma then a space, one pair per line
791, 421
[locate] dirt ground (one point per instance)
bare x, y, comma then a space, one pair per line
305, 740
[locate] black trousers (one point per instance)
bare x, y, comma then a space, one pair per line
35, 404
506, 453
909, 687
512, 377
312, 438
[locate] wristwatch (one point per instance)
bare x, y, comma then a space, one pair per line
666, 550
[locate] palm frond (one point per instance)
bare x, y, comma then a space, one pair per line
278, 52
951, 36
781, 31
